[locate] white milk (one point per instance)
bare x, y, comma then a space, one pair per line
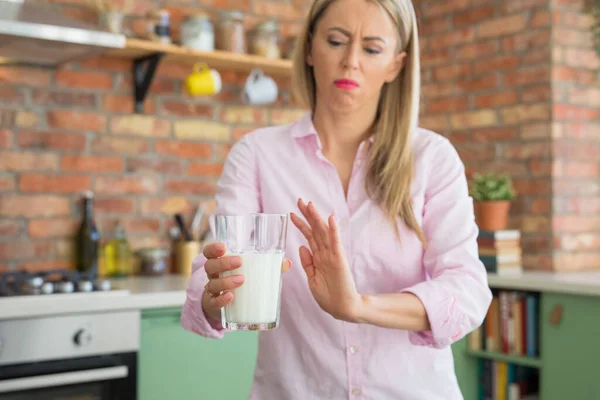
257, 300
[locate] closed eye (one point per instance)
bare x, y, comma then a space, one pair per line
334, 43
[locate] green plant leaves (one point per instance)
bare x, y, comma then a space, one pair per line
491, 187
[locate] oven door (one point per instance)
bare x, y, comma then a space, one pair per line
106, 377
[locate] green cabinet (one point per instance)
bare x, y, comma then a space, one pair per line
569, 347
176, 364
569, 351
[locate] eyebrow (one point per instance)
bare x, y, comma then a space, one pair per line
347, 33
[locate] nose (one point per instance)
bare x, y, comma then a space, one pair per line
351, 58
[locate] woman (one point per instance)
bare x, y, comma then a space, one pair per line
385, 228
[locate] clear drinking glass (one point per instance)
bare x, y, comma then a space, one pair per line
259, 239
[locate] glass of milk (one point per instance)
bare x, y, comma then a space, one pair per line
259, 239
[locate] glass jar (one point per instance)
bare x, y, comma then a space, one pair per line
197, 33
265, 40
230, 34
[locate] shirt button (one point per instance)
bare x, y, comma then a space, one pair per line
353, 349
356, 392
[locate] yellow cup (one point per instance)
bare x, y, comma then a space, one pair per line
185, 252
203, 81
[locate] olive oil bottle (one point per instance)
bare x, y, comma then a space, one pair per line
118, 259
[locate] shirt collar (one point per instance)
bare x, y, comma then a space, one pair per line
304, 127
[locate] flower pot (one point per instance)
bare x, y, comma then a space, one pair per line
492, 215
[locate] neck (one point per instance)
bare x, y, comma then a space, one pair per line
343, 131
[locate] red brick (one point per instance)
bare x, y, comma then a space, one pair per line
11, 95
444, 7
581, 58
568, 74
589, 96
106, 63
182, 109
150, 165
183, 149
506, 98
528, 186
540, 168
583, 21
474, 15
76, 120
582, 130
240, 131
83, 80
570, 112
436, 90
74, 163
432, 58
6, 139
137, 184
9, 228
25, 75
454, 38
476, 153
477, 84
142, 225
536, 241
527, 151
526, 41
535, 131
526, 113
571, 37
502, 26
25, 249
537, 93
451, 72
577, 205
204, 169
476, 50
46, 265
178, 186
168, 206
512, 6
540, 19
494, 134
140, 125
57, 227
27, 161
577, 169
581, 241
124, 103
7, 183
54, 183
540, 206
51, 98
496, 64
34, 206
536, 224
576, 223
114, 205
51, 141
447, 105
112, 145
434, 26
438, 123
527, 76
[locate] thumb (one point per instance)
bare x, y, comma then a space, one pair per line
286, 265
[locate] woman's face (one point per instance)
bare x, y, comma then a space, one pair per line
353, 52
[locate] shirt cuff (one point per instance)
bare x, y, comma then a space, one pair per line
194, 319
445, 318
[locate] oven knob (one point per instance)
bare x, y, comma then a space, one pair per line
82, 337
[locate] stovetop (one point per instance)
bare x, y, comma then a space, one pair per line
22, 283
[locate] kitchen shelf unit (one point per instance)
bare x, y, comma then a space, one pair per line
147, 54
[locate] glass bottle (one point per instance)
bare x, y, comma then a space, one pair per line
117, 254
87, 239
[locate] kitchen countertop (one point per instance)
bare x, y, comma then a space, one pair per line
139, 293
135, 293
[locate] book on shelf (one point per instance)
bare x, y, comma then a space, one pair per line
501, 380
511, 325
500, 251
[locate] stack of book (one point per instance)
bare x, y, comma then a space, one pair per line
500, 251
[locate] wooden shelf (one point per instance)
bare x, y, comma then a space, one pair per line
509, 358
137, 49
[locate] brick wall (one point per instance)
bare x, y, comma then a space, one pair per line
510, 83
576, 138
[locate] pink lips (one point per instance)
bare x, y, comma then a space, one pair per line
346, 84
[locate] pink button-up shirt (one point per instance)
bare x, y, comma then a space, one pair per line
314, 356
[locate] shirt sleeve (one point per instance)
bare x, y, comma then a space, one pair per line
456, 296
237, 191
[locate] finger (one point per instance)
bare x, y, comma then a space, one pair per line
221, 301
307, 262
306, 231
214, 250
319, 226
215, 266
334, 234
216, 286
304, 210
286, 265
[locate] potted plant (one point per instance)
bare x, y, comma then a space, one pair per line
493, 194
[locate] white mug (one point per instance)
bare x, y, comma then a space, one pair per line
259, 89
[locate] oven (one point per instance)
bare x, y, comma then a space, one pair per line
88, 356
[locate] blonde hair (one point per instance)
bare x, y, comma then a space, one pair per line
390, 164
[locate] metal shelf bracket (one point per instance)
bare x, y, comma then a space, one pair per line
143, 74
